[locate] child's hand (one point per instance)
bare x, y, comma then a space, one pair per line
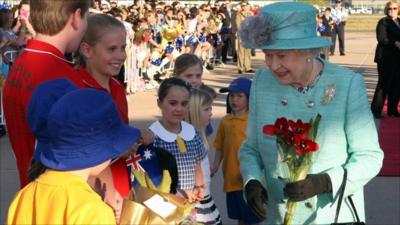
147, 137
199, 191
214, 170
23, 21
188, 195
130, 151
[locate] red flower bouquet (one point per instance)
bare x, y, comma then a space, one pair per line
296, 143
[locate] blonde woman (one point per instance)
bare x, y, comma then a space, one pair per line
386, 56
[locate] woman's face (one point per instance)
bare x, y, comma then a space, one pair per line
192, 75
393, 11
174, 106
289, 67
205, 114
108, 55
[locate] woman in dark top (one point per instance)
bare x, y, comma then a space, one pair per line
387, 57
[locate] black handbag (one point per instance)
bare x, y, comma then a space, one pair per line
342, 187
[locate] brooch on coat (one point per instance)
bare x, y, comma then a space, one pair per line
329, 94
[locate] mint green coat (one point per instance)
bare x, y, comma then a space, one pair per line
347, 138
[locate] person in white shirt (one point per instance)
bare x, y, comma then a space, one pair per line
339, 15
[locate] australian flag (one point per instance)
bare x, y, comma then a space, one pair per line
153, 161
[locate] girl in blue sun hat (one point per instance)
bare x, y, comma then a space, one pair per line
298, 84
83, 134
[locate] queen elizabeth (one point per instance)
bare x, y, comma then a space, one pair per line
297, 84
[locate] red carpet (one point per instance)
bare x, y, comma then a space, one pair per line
389, 139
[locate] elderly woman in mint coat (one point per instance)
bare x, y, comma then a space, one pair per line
299, 85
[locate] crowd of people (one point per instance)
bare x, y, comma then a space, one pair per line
157, 33
65, 105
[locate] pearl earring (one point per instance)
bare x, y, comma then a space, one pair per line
308, 60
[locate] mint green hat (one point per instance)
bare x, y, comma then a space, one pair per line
283, 25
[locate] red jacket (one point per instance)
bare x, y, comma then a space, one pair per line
121, 178
38, 63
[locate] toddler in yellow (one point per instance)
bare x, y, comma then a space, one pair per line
230, 135
78, 133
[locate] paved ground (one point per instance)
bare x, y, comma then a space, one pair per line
382, 194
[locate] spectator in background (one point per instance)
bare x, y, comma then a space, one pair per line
226, 30
387, 57
105, 6
339, 15
326, 32
15, 37
22, 20
244, 54
113, 4
95, 6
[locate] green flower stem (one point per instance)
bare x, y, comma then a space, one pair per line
295, 175
290, 209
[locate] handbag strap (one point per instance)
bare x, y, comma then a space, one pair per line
354, 208
341, 189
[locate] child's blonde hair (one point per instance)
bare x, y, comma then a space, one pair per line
98, 26
198, 100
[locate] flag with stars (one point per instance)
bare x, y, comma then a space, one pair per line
145, 159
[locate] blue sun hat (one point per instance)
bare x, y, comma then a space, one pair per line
85, 130
241, 84
42, 100
282, 26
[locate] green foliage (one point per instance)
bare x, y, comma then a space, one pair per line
362, 22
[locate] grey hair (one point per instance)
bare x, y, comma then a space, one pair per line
313, 52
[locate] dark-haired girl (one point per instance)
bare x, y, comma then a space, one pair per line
179, 137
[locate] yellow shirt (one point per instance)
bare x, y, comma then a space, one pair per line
58, 197
230, 135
